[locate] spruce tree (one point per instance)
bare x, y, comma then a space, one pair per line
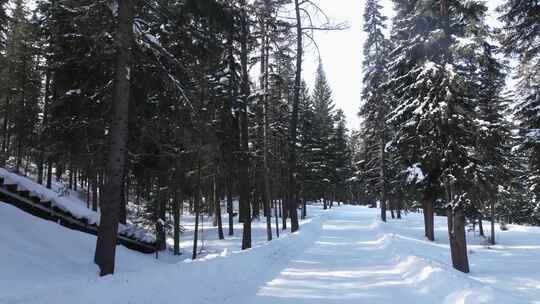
323, 126
375, 106
521, 32
341, 158
435, 114
494, 162
23, 85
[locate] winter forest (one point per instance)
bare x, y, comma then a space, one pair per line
165, 151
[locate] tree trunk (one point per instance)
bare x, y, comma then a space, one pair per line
94, 191
230, 209
293, 182
88, 195
4, 155
108, 228
41, 158
160, 216
304, 209
124, 198
245, 207
458, 241
492, 211
176, 215
70, 175
197, 206
276, 217
382, 159
75, 179
217, 209
481, 225
49, 174
428, 215
196, 232
266, 171
398, 207
19, 156
229, 130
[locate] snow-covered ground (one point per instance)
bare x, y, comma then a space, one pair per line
69, 202
344, 255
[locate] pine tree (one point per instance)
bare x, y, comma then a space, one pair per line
341, 158
23, 86
436, 107
375, 106
521, 32
494, 162
306, 129
521, 28
322, 172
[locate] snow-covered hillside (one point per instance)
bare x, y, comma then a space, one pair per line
340, 256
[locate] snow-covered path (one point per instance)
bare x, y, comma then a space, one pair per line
344, 255
353, 260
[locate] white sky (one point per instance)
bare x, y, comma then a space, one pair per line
341, 52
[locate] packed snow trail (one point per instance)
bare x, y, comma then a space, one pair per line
353, 260
344, 255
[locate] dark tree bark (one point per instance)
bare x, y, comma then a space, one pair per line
196, 232
276, 217
87, 194
480, 224
70, 175
293, 182
49, 174
458, 241
304, 209
76, 180
59, 171
382, 159
176, 216
230, 209
197, 207
19, 156
163, 195
266, 171
229, 130
124, 198
110, 204
284, 217
428, 211
492, 215
398, 207
94, 184
217, 210
245, 206
44, 124
5, 132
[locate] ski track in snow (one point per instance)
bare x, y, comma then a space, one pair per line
344, 255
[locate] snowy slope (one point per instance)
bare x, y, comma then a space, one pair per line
340, 256
69, 203
36, 254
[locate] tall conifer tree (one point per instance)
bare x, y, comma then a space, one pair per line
375, 106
